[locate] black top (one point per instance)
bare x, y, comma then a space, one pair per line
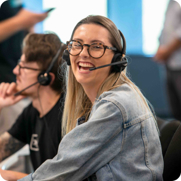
42, 134
10, 49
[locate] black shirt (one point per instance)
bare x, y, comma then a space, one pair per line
10, 48
42, 134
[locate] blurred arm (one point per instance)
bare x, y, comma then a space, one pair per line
11, 175
8, 145
23, 20
164, 52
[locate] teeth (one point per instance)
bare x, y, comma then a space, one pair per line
83, 64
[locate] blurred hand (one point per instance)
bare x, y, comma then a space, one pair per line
29, 19
9, 175
162, 54
1, 178
7, 97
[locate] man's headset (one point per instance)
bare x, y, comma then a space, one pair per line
44, 78
119, 61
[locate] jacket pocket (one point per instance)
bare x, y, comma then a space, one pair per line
104, 174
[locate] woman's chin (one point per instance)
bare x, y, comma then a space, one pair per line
84, 81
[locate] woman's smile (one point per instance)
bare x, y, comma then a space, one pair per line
84, 67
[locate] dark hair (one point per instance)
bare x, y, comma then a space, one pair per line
42, 48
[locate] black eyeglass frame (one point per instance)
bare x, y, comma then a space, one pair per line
105, 47
21, 67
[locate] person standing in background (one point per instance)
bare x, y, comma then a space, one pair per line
10, 48
169, 54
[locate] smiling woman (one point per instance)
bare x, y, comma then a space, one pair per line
89, 35
109, 131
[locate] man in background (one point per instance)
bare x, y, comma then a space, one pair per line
39, 125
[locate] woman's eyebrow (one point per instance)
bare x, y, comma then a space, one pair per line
92, 41
77, 39
95, 41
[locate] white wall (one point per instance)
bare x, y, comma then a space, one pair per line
67, 13
152, 21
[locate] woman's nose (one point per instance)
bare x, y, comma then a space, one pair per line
85, 51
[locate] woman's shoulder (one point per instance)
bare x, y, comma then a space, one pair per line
123, 94
126, 99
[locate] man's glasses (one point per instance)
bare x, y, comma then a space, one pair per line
95, 50
21, 67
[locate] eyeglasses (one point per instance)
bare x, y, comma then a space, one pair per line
20, 67
95, 50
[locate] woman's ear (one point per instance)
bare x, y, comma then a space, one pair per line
52, 77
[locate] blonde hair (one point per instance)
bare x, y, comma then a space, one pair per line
77, 103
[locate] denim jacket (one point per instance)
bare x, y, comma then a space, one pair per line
119, 142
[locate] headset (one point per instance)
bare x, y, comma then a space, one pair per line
44, 77
119, 61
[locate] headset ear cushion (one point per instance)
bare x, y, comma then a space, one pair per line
66, 57
44, 78
117, 57
123, 66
